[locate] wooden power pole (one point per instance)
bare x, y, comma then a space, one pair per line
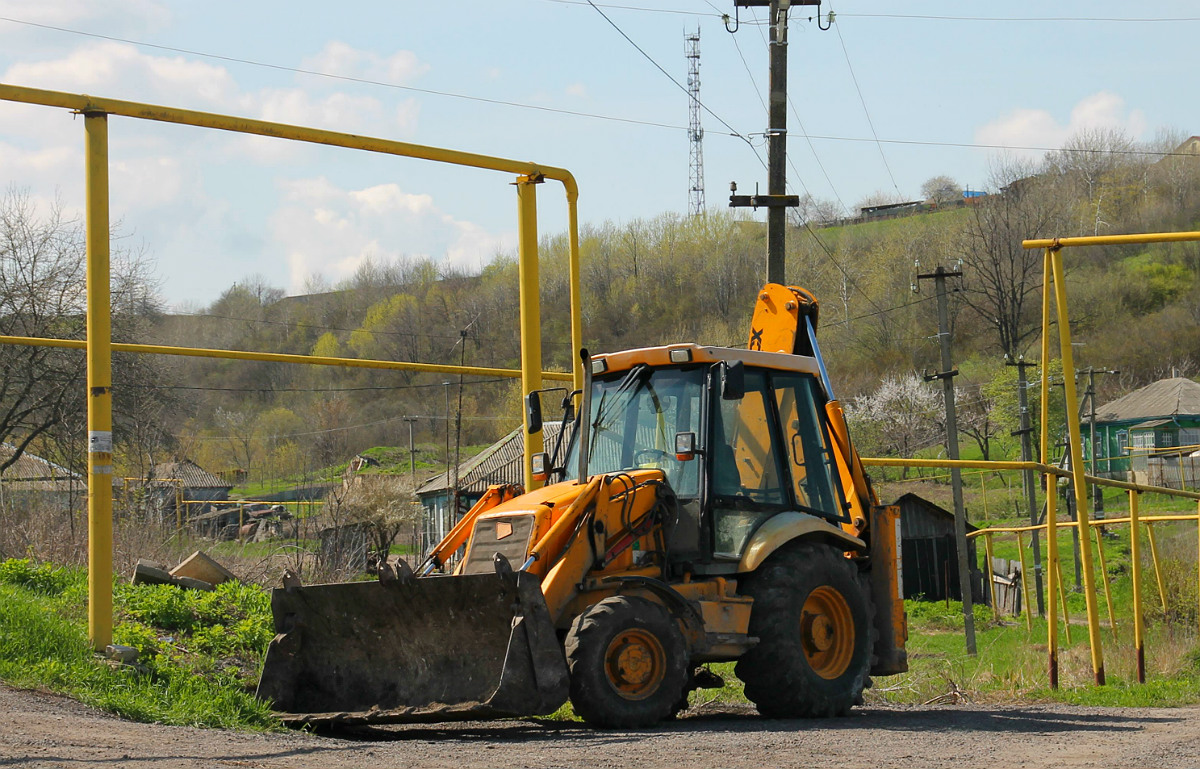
776, 201
947, 375
1026, 433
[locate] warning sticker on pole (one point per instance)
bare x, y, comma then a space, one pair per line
100, 442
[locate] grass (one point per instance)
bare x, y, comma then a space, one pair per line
199, 653
1011, 664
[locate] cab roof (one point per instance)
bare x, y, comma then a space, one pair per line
676, 354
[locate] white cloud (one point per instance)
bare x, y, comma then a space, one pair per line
338, 58
119, 15
329, 230
119, 70
577, 89
1039, 128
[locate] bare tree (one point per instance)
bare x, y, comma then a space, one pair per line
815, 211
1098, 162
1001, 277
41, 295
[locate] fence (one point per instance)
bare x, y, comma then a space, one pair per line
99, 346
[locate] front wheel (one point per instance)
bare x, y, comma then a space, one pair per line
628, 662
813, 621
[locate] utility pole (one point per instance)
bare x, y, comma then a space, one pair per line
462, 361
442, 528
776, 201
1090, 395
1026, 432
412, 475
947, 375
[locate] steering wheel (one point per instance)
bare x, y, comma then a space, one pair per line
650, 456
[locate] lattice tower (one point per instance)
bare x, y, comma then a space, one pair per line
695, 130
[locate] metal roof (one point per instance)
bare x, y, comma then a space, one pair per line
1151, 424
502, 462
191, 474
32, 473
1174, 397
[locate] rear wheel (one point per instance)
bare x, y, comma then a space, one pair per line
628, 662
813, 621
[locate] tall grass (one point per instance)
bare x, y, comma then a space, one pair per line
199, 653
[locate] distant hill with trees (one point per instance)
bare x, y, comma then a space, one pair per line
663, 279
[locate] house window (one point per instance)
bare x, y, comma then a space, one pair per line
1123, 442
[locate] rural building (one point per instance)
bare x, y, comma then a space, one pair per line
34, 482
171, 484
502, 462
1190, 146
929, 556
1149, 435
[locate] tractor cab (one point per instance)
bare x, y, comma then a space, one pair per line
741, 437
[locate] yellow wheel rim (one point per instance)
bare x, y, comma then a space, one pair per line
827, 632
635, 663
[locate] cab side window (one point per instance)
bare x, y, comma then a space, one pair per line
804, 442
748, 478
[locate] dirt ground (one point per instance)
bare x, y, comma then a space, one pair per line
41, 730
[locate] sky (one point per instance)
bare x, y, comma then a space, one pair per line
890, 96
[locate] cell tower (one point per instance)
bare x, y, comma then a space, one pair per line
695, 130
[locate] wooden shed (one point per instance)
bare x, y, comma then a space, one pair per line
930, 558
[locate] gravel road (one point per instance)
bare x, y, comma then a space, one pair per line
42, 730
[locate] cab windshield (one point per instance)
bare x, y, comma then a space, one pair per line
634, 419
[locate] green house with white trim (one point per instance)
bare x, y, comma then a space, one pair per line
1148, 436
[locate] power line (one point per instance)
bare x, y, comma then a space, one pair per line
807, 227
732, 131
918, 16
301, 389
930, 17
753, 81
347, 78
346, 427
977, 145
633, 8
634, 121
304, 324
863, 101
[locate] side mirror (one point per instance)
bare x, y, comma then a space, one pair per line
540, 464
533, 413
685, 446
733, 380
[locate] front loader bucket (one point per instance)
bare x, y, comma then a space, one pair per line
431, 649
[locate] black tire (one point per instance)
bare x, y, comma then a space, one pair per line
628, 662
810, 663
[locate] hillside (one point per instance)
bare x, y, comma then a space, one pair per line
659, 280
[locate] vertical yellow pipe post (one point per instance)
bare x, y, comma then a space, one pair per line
1158, 577
1051, 561
530, 301
99, 386
1078, 470
1026, 584
1198, 561
991, 575
576, 286
1135, 559
1112, 618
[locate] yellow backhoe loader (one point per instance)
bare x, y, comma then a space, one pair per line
707, 507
